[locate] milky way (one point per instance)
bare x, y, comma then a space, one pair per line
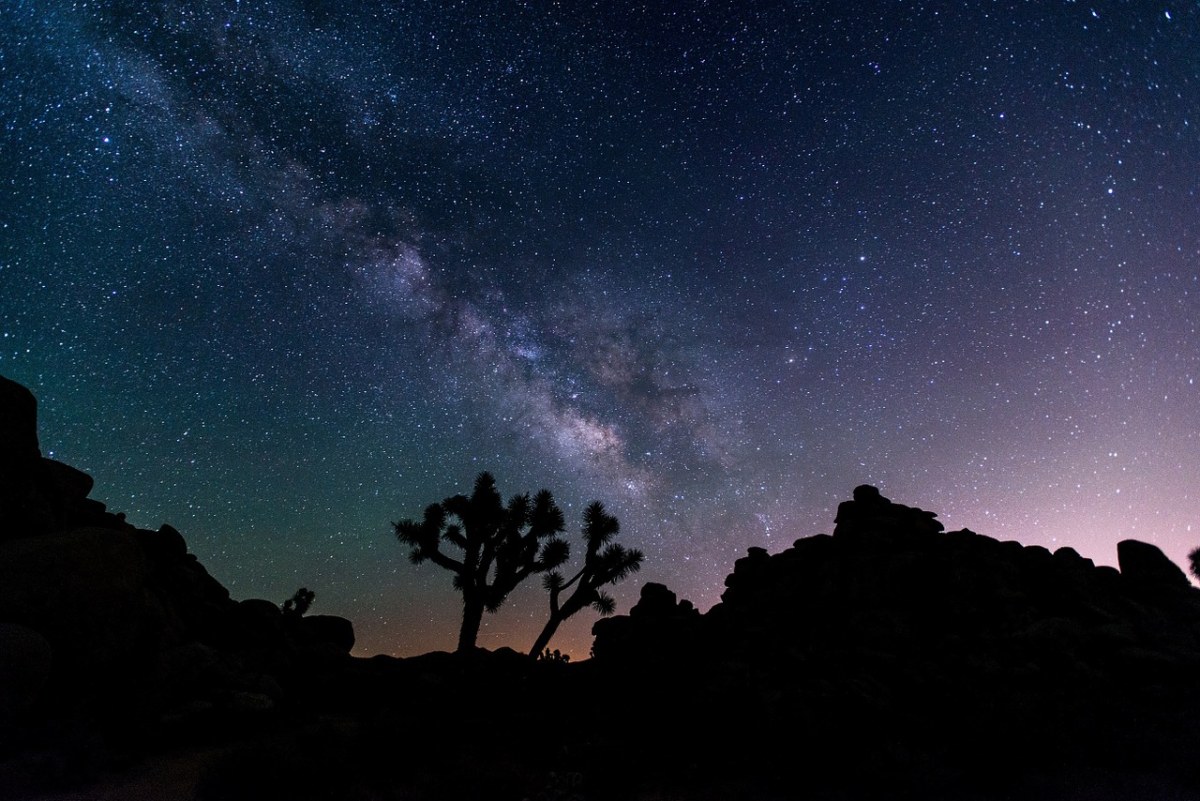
282, 273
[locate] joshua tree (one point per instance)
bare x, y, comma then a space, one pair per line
1194, 562
600, 567
501, 545
299, 603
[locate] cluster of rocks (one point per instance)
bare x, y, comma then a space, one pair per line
893, 645
116, 624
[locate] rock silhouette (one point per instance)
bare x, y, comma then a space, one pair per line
903, 657
891, 659
121, 627
1145, 566
37, 494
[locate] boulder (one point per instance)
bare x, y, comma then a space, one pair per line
166, 543
68, 485
1146, 567
330, 630
255, 624
656, 601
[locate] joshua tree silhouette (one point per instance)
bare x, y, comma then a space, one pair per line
600, 567
501, 545
1194, 562
299, 603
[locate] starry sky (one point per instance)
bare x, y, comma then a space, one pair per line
281, 273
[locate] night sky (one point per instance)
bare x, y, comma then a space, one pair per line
281, 273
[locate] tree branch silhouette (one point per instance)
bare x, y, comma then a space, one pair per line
501, 545
604, 563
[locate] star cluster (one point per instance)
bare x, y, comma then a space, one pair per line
283, 272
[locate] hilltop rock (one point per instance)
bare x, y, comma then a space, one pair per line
657, 625
870, 512
1147, 567
40, 495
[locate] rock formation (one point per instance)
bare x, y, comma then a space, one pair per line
97, 614
37, 494
892, 646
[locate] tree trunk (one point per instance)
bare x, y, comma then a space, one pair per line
544, 638
472, 615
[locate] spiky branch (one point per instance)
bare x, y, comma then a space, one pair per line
299, 603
